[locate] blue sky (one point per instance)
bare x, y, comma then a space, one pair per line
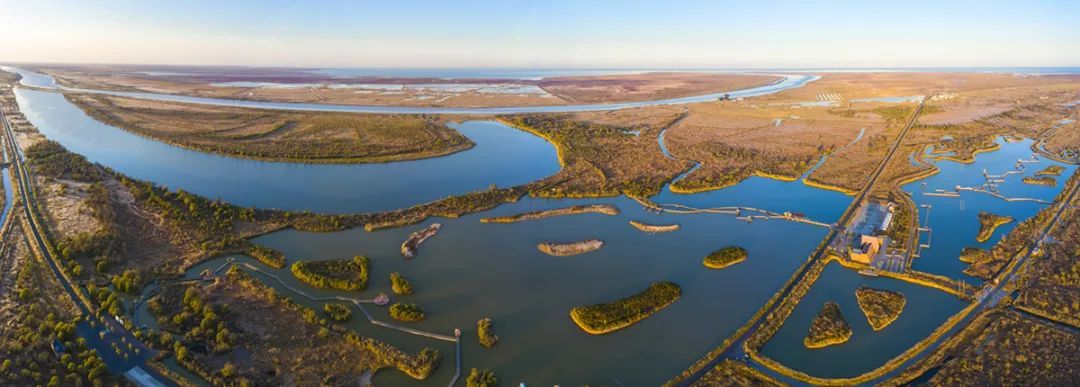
548, 34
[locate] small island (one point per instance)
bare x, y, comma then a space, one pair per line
988, 223
270, 257
400, 285
1053, 170
486, 333
340, 274
338, 311
408, 248
481, 378
1040, 180
725, 257
881, 307
973, 255
611, 316
654, 228
572, 248
605, 209
406, 312
828, 328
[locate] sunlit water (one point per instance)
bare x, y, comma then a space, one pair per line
954, 221
472, 270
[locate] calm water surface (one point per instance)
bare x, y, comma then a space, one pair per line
954, 221
472, 270
503, 156
867, 349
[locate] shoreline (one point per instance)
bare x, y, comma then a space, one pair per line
605, 209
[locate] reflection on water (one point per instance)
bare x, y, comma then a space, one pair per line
867, 349
503, 156
954, 221
472, 270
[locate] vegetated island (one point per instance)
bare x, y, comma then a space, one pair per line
988, 223
973, 254
1053, 170
406, 312
611, 316
481, 378
310, 137
408, 248
725, 257
270, 257
880, 306
338, 311
572, 248
654, 228
400, 285
828, 328
605, 209
1040, 180
341, 274
486, 333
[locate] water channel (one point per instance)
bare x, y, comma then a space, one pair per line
472, 270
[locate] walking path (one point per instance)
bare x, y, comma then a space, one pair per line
359, 305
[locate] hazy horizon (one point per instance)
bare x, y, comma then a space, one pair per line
547, 34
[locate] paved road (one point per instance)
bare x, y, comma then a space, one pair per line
101, 335
737, 349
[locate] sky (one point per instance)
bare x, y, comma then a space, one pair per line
546, 34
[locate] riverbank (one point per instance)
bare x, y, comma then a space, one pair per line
280, 136
988, 223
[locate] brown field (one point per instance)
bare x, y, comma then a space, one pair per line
1015, 348
279, 135
736, 140
1051, 286
552, 91
289, 349
897, 84
648, 86
602, 155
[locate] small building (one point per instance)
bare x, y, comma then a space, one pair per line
866, 248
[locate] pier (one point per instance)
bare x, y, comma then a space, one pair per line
738, 211
456, 338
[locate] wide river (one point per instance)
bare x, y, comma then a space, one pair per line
472, 270
786, 81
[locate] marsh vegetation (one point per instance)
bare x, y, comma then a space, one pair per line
611, 316
725, 257
279, 135
881, 307
828, 328
340, 274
